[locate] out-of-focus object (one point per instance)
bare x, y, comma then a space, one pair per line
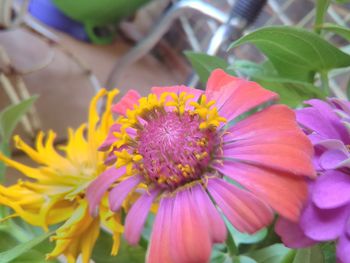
242, 14
8, 17
100, 17
48, 13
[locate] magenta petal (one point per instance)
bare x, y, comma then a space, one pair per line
247, 213
210, 214
291, 234
137, 216
159, 247
323, 224
110, 138
331, 190
121, 191
191, 241
328, 112
100, 185
343, 249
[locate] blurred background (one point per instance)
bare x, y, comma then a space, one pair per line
65, 51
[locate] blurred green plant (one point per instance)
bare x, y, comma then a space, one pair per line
9, 118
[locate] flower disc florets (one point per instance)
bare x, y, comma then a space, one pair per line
170, 140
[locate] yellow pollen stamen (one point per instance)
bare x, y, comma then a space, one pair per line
209, 115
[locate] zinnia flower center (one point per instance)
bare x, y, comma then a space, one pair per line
175, 151
169, 140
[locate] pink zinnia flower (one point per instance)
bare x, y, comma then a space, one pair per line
180, 148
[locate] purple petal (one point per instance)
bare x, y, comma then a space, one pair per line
100, 185
121, 190
343, 249
331, 190
314, 120
136, 217
324, 224
110, 159
215, 224
291, 234
110, 138
332, 159
341, 104
328, 112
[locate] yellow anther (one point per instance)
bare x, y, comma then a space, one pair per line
137, 158
162, 178
127, 159
179, 101
207, 113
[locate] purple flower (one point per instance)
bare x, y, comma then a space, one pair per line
326, 215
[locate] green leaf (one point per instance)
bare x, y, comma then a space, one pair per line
242, 238
309, 255
340, 30
220, 257
295, 53
204, 64
15, 252
329, 252
251, 69
127, 253
271, 254
292, 92
321, 10
10, 116
243, 259
5, 149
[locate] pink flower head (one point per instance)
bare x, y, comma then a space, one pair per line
181, 148
326, 216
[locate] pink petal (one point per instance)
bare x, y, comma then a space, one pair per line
274, 156
217, 80
121, 191
191, 241
271, 138
331, 190
284, 193
136, 217
209, 213
110, 138
274, 118
159, 247
246, 213
127, 102
100, 185
291, 234
236, 96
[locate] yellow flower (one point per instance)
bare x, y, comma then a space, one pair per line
54, 190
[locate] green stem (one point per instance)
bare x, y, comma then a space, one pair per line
325, 82
231, 246
321, 10
17, 232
